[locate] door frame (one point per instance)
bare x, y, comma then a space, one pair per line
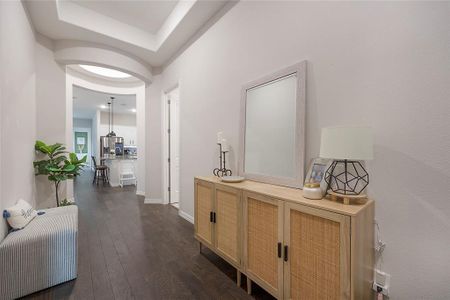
166, 144
72, 79
89, 154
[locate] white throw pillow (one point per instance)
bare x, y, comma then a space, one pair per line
19, 215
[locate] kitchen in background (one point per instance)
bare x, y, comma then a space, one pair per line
112, 131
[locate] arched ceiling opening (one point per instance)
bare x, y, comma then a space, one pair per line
152, 32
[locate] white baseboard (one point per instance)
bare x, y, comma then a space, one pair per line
152, 201
140, 193
186, 216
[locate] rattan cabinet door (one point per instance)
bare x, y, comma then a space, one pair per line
204, 206
228, 223
318, 261
263, 235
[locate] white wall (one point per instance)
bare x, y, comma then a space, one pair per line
50, 93
382, 64
153, 112
82, 123
50, 112
141, 141
17, 106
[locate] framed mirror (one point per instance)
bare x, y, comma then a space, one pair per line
272, 138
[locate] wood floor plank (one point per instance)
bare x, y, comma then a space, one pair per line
83, 284
131, 250
119, 282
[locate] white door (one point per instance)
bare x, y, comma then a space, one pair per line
174, 145
82, 145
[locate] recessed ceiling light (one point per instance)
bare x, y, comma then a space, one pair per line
102, 106
105, 71
133, 110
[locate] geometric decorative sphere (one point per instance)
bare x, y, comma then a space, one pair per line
346, 177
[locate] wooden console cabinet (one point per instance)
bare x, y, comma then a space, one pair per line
292, 247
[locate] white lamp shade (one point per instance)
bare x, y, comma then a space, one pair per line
352, 143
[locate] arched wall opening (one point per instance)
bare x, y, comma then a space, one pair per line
69, 52
137, 89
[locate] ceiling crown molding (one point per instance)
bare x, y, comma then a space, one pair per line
67, 20
90, 20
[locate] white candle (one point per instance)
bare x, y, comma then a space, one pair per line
219, 137
225, 145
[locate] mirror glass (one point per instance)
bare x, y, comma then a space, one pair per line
270, 128
273, 128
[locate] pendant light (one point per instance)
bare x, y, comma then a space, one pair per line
111, 118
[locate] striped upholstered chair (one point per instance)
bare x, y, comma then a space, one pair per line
41, 255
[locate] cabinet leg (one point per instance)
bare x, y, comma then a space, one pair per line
249, 286
238, 278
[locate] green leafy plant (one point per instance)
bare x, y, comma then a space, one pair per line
66, 202
57, 165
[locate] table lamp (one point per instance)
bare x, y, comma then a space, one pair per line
347, 146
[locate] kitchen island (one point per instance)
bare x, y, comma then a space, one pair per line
122, 169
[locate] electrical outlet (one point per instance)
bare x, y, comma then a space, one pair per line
381, 281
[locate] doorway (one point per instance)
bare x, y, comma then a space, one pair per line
107, 114
77, 107
83, 143
172, 104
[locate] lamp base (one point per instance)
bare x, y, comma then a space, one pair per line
346, 177
348, 199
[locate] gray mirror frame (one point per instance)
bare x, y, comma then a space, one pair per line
297, 180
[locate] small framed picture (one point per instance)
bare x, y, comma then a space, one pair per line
316, 172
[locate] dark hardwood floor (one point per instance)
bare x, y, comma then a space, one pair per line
131, 250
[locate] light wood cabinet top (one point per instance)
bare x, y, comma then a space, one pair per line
292, 195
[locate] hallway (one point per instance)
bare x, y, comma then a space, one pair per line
131, 250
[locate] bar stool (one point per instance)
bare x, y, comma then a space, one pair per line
100, 172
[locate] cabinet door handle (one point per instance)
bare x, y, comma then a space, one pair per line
285, 253
211, 218
214, 217
279, 250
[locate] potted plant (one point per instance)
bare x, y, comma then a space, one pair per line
57, 166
